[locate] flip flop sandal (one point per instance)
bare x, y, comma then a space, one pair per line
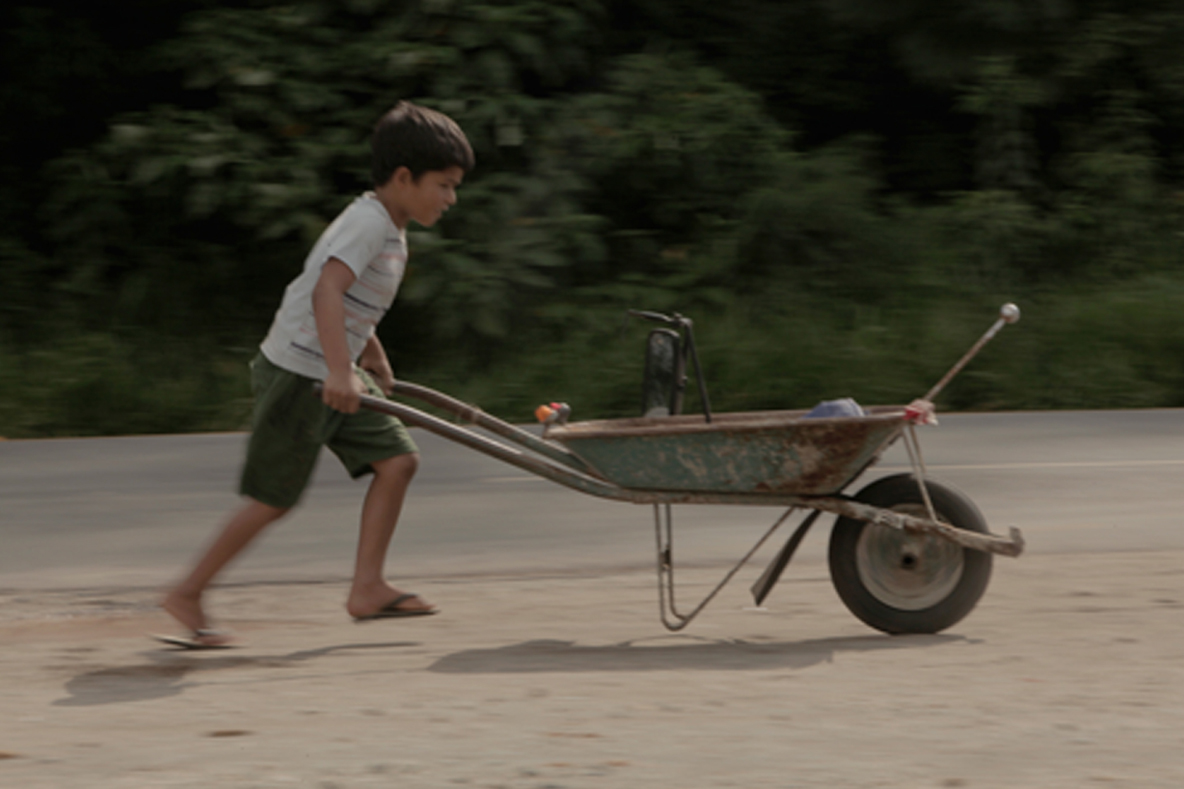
194, 642
392, 610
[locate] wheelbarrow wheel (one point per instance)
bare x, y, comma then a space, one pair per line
901, 582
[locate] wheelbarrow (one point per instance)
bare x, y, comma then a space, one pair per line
906, 554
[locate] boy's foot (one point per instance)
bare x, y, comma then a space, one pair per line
187, 610
400, 605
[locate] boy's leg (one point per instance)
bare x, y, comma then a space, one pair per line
370, 591
281, 454
369, 442
183, 602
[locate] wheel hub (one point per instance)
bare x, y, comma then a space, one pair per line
909, 572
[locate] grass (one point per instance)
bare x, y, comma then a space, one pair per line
1114, 347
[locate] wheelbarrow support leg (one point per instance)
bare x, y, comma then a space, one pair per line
764, 584
663, 534
664, 537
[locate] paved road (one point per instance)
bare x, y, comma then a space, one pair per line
133, 510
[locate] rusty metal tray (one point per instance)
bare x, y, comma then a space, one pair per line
779, 452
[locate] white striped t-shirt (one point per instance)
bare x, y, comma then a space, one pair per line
364, 238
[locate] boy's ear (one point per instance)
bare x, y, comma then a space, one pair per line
402, 176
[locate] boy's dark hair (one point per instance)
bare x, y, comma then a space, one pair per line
419, 139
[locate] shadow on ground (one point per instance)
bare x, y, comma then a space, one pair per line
170, 673
166, 676
699, 655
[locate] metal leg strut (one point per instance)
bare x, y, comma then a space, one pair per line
664, 536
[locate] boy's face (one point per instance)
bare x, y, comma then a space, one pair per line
424, 200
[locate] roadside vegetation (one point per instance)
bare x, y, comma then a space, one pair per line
840, 193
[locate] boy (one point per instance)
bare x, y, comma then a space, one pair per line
325, 322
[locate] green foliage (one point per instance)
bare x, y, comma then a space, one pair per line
943, 42
670, 143
817, 224
832, 189
1077, 349
91, 384
282, 148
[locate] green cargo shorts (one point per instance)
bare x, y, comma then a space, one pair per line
289, 426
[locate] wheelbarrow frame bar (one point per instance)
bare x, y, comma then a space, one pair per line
554, 462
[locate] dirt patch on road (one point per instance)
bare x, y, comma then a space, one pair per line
1069, 674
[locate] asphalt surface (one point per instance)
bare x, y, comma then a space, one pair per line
134, 510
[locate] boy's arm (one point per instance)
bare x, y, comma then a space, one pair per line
342, 388
374, 361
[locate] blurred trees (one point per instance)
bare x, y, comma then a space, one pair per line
834, 188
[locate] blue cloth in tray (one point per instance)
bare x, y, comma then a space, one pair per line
834, 408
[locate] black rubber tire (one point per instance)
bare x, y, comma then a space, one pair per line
908, 583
